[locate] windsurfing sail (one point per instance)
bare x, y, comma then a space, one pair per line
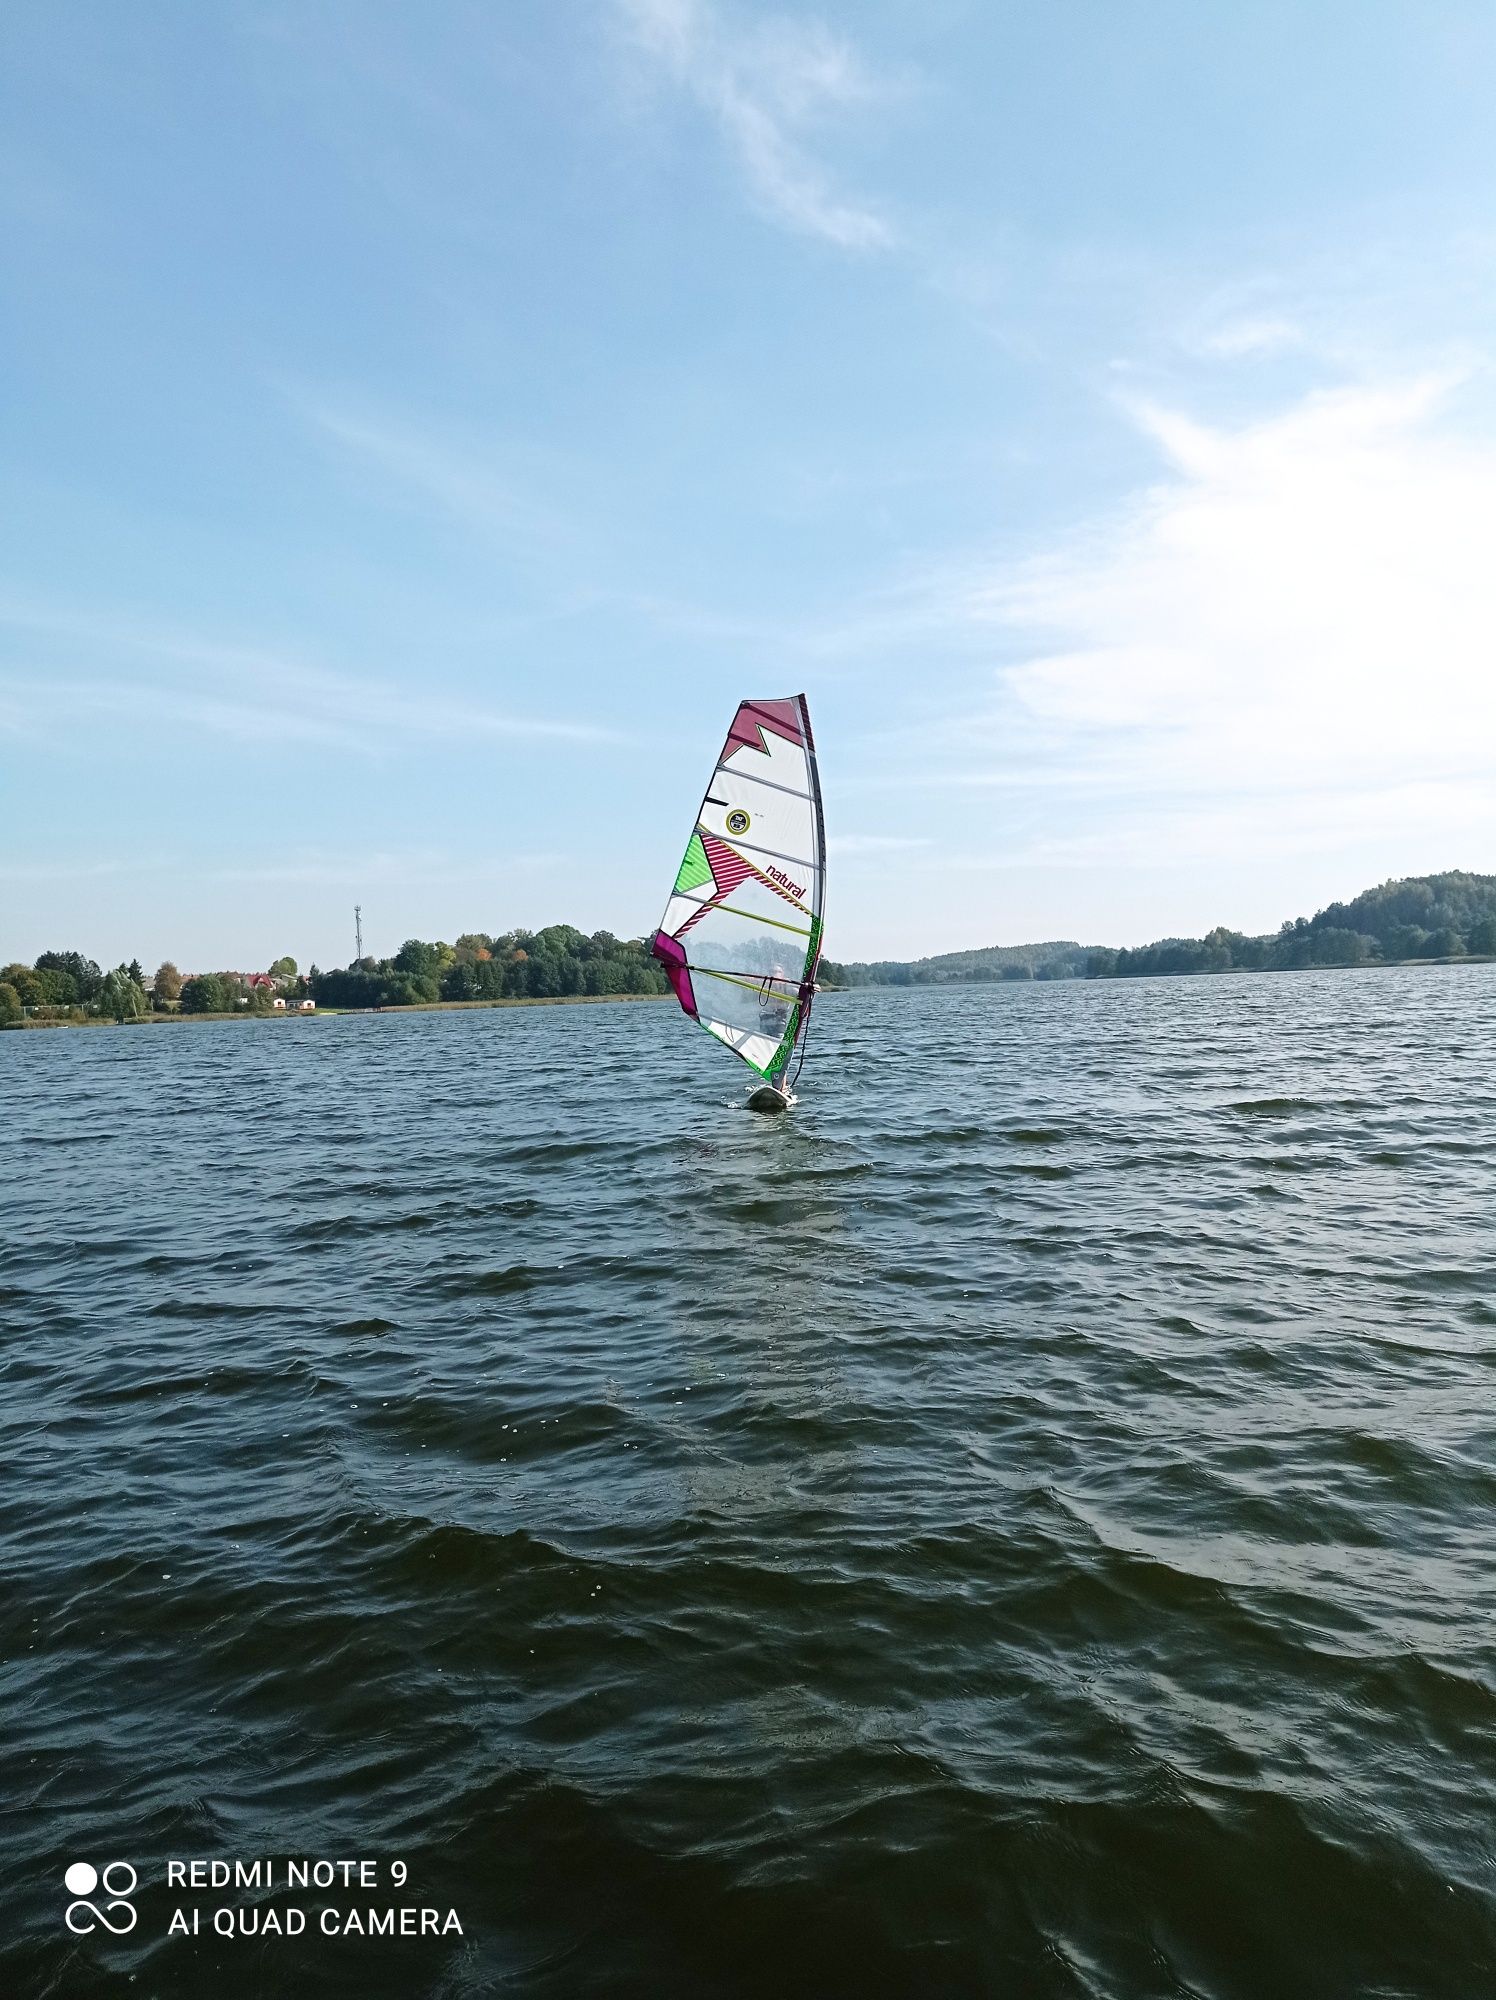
741, 934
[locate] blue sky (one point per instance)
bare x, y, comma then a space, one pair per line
422, 424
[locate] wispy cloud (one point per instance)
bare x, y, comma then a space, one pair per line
55, 870
412, 866
768, 83
1264, 333
160, 676
873, 843
455, 476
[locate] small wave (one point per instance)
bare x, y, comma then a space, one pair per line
200, 1309
495, 1282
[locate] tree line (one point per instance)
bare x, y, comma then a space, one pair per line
69, 986
64, 984
559, 962
556, 963
985, 967
1452, 915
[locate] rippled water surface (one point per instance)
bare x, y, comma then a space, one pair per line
1021, 1525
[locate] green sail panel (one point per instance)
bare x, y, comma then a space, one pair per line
695, 869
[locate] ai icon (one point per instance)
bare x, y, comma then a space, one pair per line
117, 1915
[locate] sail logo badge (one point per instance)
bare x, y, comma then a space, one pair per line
81, 1879
737, 821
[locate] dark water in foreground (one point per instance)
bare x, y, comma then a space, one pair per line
1021, 1526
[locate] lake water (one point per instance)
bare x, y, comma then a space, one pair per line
1021, 1525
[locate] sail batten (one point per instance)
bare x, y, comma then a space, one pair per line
738, 961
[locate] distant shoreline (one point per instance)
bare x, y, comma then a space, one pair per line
961, 984
1421, 919
860, 986
334, 1013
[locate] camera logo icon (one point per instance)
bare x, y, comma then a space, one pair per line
117, 1914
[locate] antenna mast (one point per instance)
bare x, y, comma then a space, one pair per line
358, 932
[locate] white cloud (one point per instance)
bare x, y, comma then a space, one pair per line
767, 84
1289, 638
1431, 825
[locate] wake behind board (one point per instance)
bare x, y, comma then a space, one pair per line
741, 934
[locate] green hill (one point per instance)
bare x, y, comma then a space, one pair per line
1061, 960
1420, 917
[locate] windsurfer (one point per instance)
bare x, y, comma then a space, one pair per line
727, 916
773, 1008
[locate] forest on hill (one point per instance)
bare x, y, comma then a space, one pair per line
1446, 916
1062, 960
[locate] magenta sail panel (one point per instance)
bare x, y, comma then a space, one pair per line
754, 717
673, 958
